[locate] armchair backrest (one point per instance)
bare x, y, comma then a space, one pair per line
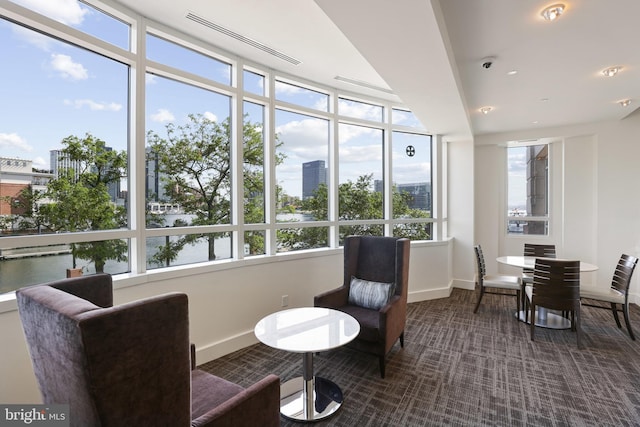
123, 365
379, 259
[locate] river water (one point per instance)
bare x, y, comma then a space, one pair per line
19, 272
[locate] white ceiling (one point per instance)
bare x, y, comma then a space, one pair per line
429, 53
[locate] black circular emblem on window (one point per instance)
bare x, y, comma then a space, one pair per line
411, 150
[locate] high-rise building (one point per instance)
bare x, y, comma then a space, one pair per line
154, 185
313, 174
15, 176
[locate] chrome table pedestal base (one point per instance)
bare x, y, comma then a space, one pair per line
546, 319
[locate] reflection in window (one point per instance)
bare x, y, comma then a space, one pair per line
301, 96
528, 194
169, 53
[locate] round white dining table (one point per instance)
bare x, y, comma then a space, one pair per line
544, 318
530, 262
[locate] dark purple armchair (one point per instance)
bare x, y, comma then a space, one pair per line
373, 262
132, 364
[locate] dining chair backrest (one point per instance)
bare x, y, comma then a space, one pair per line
481, 269
556, 283
537, 250
622, 274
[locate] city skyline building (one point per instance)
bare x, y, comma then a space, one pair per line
313, 174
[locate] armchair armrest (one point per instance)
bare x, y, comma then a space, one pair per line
333, 298
258, 404
393, 317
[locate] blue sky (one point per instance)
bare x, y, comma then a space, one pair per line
57, 90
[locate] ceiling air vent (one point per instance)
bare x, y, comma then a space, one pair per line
219, 28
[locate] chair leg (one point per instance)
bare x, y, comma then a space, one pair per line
625, 311
518, 296
475, 310
576, 324
381, 361
402, 340
614, 309
532, 307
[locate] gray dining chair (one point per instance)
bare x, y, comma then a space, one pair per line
617, 296
495, 284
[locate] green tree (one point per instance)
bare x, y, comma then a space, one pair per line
356, 201
80, 199
196, 160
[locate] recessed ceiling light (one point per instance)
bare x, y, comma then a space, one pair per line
485, 110
512, 72
625, 102
544, 99
611, 71
550, 13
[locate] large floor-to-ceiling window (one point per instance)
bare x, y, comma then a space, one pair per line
164, 152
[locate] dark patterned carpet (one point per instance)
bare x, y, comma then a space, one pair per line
463, 369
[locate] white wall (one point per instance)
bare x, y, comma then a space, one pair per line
226, 301
595, 203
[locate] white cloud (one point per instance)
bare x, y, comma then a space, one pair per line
210, 116
67, 68
360, 110
162, 115
94, 106
14, 141
68, 12
40, 162
40, 41
361, 153
304, 140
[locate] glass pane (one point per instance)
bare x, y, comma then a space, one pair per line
414, 231
187, 249
254, 243
71, 169
296, 239
254, 83
302, 155
177, 56
360, 230
528, 227
188, 152
83, 17
360, 194
528, 189
411, 175
405, 118
360, 110
32, 265
301, 96
253, 163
